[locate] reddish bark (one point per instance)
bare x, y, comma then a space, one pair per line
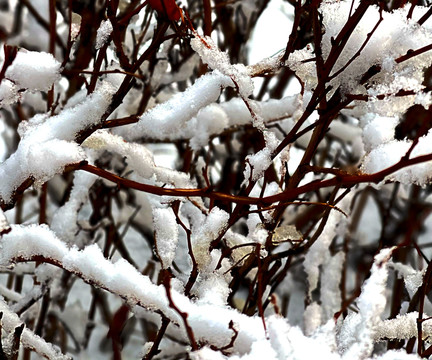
168, 8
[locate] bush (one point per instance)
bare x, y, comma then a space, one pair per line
163, 197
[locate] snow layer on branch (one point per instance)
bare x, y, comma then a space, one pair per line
402, 327
47, 145
8, 93
393, 38
390, 153
217, 60
10, 321
312, 318
397, 355
413, 279
331, 298
214, 118
260, 161
64, 222
213, 288
289, 343
36, 71
357, 332
319, 253
165, 120
239, 74
29, 241
209, 322
139, 158
377, 130
206, 353
166, 235
204, 233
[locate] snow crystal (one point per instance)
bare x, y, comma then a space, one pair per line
213, 289
401, 327
103, 33
166, 235
34, 70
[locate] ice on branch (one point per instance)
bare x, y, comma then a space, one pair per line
47, 143
75, 25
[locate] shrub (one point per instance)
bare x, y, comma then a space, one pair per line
163, 196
